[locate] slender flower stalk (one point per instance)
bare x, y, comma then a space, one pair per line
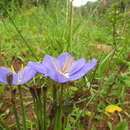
40, 114
70, 23
67, 10
44, 106
58, 123
39, 107
54, 92
22, 108
16, 115
9, 79
36, 95
37, 113
53, 109
61, 104
32, 91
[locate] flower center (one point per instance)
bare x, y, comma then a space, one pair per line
65, 67
20, 73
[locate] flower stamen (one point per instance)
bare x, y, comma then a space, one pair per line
20, 74
65, 64
12, 68
70, 64
54, 65
64, 68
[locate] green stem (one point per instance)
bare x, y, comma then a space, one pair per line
70, 27
37, 108
39, 115
16, 116
36, 112
14, 109
54, 93
59, 112
61, 98
44, 108
67, 10
22, 108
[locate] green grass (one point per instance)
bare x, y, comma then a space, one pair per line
46, 32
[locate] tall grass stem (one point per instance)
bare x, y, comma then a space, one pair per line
26, 43
22, 108
44, 107
14, 108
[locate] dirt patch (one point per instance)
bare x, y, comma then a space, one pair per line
101, 47
79, 95
7, 107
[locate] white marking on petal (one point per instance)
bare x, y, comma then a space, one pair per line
64, 74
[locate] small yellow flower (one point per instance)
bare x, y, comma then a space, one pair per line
113, 108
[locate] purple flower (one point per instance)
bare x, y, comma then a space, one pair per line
64, 68
21, 77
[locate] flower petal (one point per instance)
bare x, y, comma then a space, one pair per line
38, 67
51, 63
62, 78
63, 56
3, 73
52, 66
113, 108
15, 78
24, 75
88, 66
58, 77
76, 66
64, 60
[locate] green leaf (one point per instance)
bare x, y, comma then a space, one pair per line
103, 62
109, 125
73, 88
123, 125
1, 128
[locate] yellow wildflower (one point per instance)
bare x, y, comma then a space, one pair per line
113, 108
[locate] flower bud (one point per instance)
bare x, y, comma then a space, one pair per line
9, 78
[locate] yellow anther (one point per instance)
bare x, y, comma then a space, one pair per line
69, 66
54, 65
19, 81
12, 68
65, 63
22, 66
20, 74
65, 67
